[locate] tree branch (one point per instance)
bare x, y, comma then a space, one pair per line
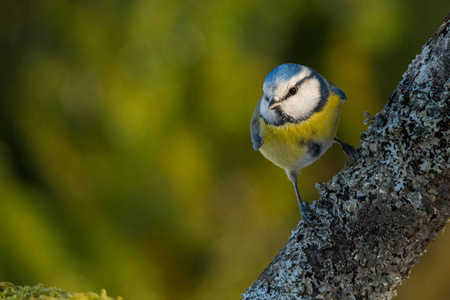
379, 213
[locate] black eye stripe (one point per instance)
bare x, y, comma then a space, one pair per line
297, 85
283, 118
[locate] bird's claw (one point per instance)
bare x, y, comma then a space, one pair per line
308, 215
350, 151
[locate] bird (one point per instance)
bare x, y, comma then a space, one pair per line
295, 121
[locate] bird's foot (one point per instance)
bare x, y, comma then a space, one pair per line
349, 150
308, 215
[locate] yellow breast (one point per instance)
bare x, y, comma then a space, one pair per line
287, 145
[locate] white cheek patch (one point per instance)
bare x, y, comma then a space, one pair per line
299, 106
302, 104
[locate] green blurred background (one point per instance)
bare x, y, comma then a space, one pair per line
125, 156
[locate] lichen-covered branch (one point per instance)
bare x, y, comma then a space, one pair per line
380, 212
9, 291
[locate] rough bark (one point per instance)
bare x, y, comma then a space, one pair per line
380, 212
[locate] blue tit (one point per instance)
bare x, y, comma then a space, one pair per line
295, 121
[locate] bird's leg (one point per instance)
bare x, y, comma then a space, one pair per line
349, 150
305, 210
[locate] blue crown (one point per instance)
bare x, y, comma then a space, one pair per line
282, 73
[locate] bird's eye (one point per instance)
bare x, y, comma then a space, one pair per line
293, 91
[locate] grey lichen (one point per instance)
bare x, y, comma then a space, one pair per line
379, 213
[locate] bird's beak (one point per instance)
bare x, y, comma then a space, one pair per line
273, 103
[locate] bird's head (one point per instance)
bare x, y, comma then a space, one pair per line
292, 93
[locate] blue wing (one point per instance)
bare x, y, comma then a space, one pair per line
334, 89
255, 129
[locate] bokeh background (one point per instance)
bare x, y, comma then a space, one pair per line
125, 156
